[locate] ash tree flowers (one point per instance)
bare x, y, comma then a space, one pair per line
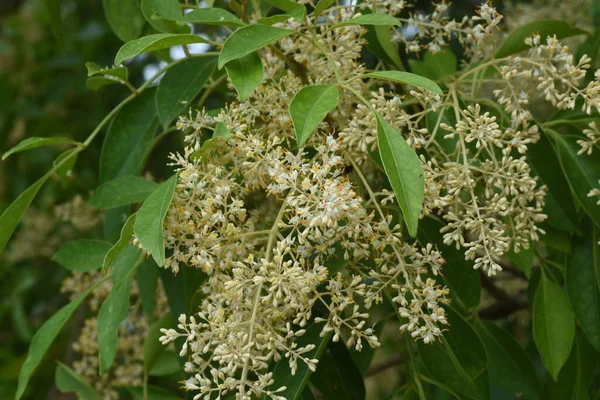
340, 200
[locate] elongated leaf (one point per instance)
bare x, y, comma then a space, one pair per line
434, 66
152, 346
580, 279
296, 383
116, 306
126, 189
148, 225
159, 13
553, 325
511, 370
94, 69
582, 172
463, 280
154, 42
337, 377
12, 214
370, 19
45, 336
82, 255
126, 236
129, 138
403, 169
544, 159
298, 11
515, 42
248, 39
322, 6
459, 362
309, 107
408, 78
125, 18
33, 142
147, 279
523, 259
167, 363
175, 94
212, 16
245, 74
68, 381
384, 39
597, 253
182, 289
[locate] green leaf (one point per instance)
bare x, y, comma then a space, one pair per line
248, 39
175, 94
245, 74
126, 189
296, 383
273, 19
148, 225
158, 13
296, 10
64, 164
115, 308
125, 18
460, 362
580, 279
384, 39
322, 6
154, 42
582, 172
68, 381
434, 120
370, 19
167, 363
182, 289
511, 371
129, 138
435, 66
212, 16
523, 259
363, 357
12, 214
45, 336
152, 346
408, 78
337, 376
147, 279
515, 42
309, 107
544, 159
95, 83
403, 169
553, 325
464, 281
82, 255
33, 142
126, 236
597, 253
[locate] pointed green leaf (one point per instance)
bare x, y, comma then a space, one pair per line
160, 13
115, 308
582, 172
515, 42
435, 66
408, 78
403, 169
146, 278
544, 159
154, 42
296, 383
175, 94
45, 336
322, 6
553, 325
212, 16
148, 225
125, 238
248, 39
129, 138
511, 370
523, 259
597, 253
124, 190
296, 10
580, 279
370, 19
245, 74
82, 255
153, 348
33, 142
337, 376
125, 18
67, 381
309, 107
